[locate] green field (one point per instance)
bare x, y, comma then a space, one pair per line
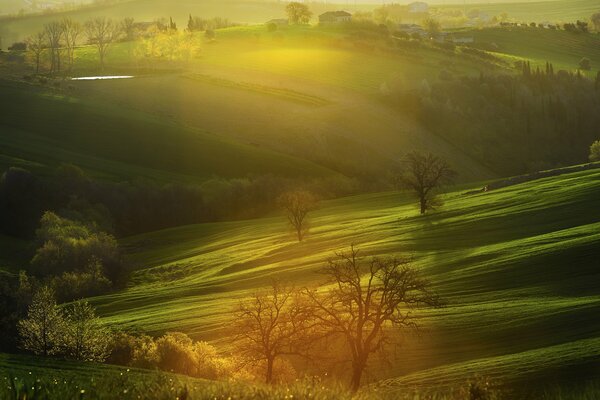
44, 128
563, 49
507, 271
539, 11
517, 267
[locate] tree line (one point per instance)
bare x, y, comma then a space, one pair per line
540, 119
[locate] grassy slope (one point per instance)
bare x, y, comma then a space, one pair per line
42, 128
539, 11
305, 95
563, 49
518, 267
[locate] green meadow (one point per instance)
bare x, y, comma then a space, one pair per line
503, 266
332, 106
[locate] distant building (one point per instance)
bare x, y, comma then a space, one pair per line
278, 22
335, 17
418, 7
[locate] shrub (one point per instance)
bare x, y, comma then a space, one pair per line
18, 46
210, 34
595, 151
176, 354
68, 245
585, 64
79, 284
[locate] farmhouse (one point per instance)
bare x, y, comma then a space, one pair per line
335, 17
418, 7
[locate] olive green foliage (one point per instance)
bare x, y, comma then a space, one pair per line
298, 13
67, 246
85, 338
513, 124
89, 282
74, 332
172, 352
42, 331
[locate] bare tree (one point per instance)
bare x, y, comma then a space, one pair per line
424, 174
37, 45
297, 204
54, 34
102, 32
71, 32
128, 28
270, 325
368, 301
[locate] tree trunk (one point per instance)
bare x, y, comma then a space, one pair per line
357, 371
269, 377
423, 202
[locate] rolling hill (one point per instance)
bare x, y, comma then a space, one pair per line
253, 12
507, 270
43, 128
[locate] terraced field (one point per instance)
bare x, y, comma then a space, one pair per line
518, 267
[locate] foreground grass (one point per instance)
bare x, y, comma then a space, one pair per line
24, 377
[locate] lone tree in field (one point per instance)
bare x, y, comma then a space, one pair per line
368, 301
37, 45
298, 13
296, 205
42, 331
270, 325
424, 174
85, 338
102, 32
595, 151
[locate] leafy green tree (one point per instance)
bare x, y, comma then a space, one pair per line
595, 151
298, 13
42, 331
68, 245
85, 337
